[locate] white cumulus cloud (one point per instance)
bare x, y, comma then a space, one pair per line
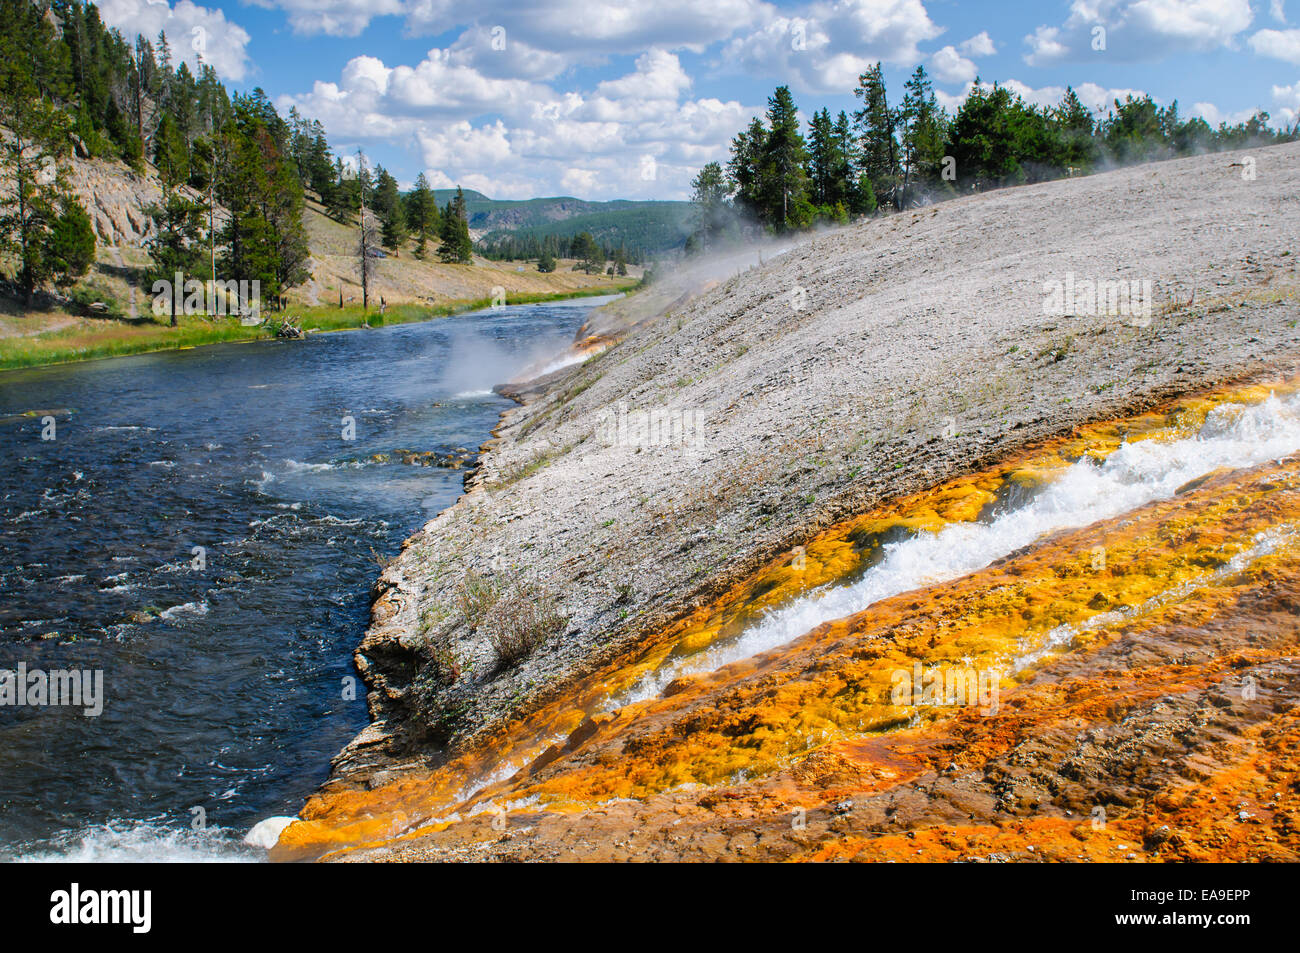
590, 28
826, 45
1096, 97
1286, 100
949, 66
1138, 29
193, 32
636, 135
981, 44
1213, 115
1279, 44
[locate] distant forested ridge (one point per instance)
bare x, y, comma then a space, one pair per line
911, 151
518, 229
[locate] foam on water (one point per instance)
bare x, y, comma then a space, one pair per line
1232, 436
138, 842
200, 607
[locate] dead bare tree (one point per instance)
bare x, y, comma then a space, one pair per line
367, 235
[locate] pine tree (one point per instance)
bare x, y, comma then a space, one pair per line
393, 228
387, 205
264, 234
590, 257
876, 123
456, 246
1075, 127
983, 137
923, 133
743, 168
176, 248
422, 214
70, 243
170, 153
207, 168
320, 166
710, 199
783, 182
367, 235
820, 135
344, 198
846, 176
36, 188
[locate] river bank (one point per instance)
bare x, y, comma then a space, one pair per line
853, 369
203, 530
1120, 692
87, 339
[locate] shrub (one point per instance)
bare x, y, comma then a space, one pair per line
476, 596
521, 620
516, 617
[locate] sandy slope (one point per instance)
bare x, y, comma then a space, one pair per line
859, 365
402, 278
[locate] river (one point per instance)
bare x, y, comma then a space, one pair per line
203, 527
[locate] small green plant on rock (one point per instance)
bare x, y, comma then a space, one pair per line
521, 620
443, 654
476, 596
516, 616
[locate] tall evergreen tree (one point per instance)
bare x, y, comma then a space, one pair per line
710, 199
590, 257
830, 166
857, 192
367, 234
983, 137
743, 169
344, 198
876, 124
456, 246
422, 214
783, 180
922, 124
176, 247
170, 152
546, 261
388, 207
37, 195
1076, 126
264, 234
70, 243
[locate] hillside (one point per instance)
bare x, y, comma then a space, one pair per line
116, 199
651, 226
865, 388
402, 278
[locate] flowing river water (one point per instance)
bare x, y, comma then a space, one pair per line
203, 528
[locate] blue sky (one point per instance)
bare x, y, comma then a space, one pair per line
628, 98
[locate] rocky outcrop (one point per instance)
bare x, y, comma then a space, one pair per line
117, 199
